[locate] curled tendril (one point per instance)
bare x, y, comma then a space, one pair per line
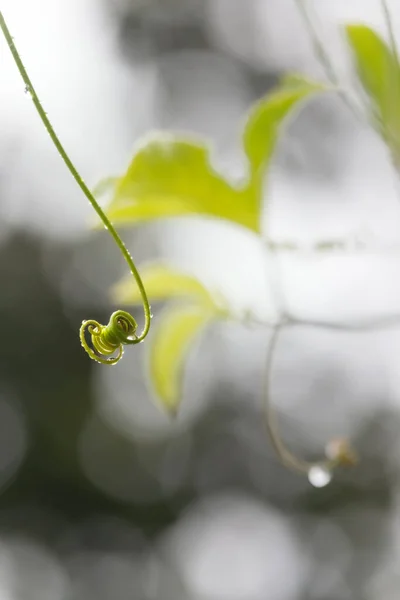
109, 339
121, 330
338, 452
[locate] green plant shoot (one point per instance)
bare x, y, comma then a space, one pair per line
107, 341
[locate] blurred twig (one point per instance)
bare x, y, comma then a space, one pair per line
287, 458
338, 452
389, 26
350, 246
326, 62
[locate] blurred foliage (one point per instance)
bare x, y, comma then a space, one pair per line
177, 328
379, 73
162, 282
174, 335
170, 177
51, 498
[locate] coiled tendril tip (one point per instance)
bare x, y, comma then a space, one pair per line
109, 340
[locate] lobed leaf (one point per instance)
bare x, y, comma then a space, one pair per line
105, 186
172, 339
379, 74
265, 119
171, 177
162, 283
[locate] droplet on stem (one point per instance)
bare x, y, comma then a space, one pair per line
319, 477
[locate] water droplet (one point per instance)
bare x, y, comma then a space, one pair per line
319, 477
151, 315
106, 227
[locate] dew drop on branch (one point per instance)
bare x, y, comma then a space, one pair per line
319, 476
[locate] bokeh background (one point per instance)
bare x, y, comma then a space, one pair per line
101, 495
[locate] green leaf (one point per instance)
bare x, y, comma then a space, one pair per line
298, 80
170, 177
162, 283
265, 119
172, 339
379, 74
105, 186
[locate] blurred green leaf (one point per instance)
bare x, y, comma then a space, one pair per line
171, 177
379, 74
173, 336
162, 283
105, 186
298, 80
265, 119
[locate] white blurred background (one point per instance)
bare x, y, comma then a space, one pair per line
101, 495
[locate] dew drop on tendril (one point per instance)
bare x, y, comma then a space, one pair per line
319, 477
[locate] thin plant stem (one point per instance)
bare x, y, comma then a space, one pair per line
325, 61
378, 324
29, 88
287, 458
343, 454
319, 49
364, 326
392, 141
389, 26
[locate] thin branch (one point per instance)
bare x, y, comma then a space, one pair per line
325, 60
389, 26
319, 49
380, 323
287, 458
367, 325
339, 452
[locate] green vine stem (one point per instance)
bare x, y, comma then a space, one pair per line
121, 330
